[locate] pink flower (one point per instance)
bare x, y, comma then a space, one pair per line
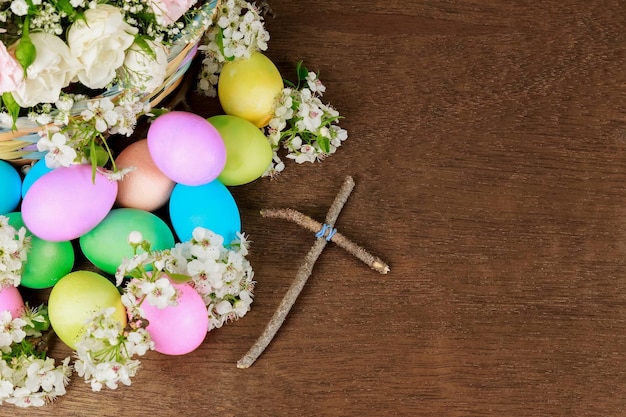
12, 74
169, 11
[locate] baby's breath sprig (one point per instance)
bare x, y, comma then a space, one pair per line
302, 124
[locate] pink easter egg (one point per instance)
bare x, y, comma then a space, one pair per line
186, 148
11, 299
179, 329
66, 203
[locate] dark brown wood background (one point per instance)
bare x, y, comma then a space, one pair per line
488, 145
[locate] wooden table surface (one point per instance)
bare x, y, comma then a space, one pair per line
488, 145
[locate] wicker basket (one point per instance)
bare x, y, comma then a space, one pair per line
18, 146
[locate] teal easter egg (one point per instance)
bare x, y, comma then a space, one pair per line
47, 262
211, 206
248, 152
106, 245
34, 173
10, 189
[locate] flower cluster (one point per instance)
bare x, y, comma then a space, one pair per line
57, 56
220, 273
239, 31
27, 376
222, 276
302, 124
104, 355
14, 246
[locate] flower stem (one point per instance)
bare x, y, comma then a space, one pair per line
298, 284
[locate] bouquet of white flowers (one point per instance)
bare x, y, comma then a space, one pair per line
74, 71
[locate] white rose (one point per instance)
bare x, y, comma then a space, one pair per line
143, 71
53, 69
99, 42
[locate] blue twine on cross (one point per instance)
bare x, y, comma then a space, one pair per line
326, 229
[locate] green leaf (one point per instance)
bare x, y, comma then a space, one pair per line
324, 143
94, 161
156, 112
65, 6
12, 107
25, 53
99, 154
289, 83
143, 44
301, 71
219, 39
179, 278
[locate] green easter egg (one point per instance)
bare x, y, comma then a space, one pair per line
248, 152
106, 246
47, 262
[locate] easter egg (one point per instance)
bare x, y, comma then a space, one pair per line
66, 203
11, 188
106, 245
11, 300
179, 329
76, 298
34, 173
249, 88
186, 148
210, 206
46, 262
145, 187
248, 152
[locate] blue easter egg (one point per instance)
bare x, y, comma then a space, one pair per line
210, 206
10, 191
34, 173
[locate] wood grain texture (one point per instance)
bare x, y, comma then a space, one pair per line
488, 145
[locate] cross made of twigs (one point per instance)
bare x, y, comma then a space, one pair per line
325, 233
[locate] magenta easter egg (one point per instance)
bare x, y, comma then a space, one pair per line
66, 203
186, 148
179, 329
11, 300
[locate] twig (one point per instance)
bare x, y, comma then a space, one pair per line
298, 284
341, 241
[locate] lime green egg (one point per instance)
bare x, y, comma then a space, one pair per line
106, 246
47, 262
248, 152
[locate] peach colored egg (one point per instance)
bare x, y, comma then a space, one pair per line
11, 300
146, 187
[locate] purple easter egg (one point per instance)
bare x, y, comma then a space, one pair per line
186, 148
66, 203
